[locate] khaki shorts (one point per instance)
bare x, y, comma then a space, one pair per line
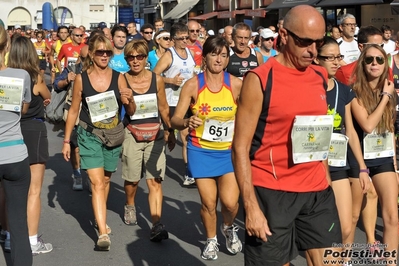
135, 155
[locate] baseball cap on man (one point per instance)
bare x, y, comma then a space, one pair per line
211, 32
267, 33
102, 25
17, 26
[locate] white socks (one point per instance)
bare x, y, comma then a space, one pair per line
33, 240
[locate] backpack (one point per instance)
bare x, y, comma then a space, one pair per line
55, 110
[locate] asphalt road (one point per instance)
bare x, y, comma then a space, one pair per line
67, 221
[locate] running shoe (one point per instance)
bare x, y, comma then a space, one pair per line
41, 247
188, 181
104, 242
158, 233
130, 215
109, 230
210, 250
233, 243
77, 183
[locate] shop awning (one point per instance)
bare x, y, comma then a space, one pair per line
259, 12
226, 14
205, 16
277, 4
181, 9
325, 3
395, 7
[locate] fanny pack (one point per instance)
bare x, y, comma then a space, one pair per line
144, 132
109, 137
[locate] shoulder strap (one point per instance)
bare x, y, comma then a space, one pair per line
339, 43
324, 81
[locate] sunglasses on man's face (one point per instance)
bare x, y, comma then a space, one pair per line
147, 32
107, 53
78, 35
182, 38
131, 58
370, 59
192, 31
305, 42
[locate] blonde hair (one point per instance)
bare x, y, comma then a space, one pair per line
370, 97
95, 42
4, 42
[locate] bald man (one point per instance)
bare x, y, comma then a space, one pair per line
289, 204
228, 35
193, 43
107, 33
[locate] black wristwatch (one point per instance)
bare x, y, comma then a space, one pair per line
171, 130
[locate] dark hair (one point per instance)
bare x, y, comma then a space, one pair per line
327, 41
146, 26
214, 44
385, 28
178, 27
257, 40
367, 31
158, 20
94, 33
62, 27
118, 28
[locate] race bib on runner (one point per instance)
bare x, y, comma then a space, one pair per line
311, 137
102, 106
338, 149
378, 145
217, 130
11, 90
147, 106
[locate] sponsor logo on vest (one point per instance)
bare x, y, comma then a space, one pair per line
244, 63
252, 63
222, 108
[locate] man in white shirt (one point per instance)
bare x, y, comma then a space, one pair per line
389, 45
348, 45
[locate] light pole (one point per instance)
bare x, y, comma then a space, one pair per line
116, 5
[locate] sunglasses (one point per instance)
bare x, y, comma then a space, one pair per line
268, 39
131, 58
370, 59
166, 38
192, 31
305, 42
349, 24
107, 53
331, 58
79, 35
182, 38
147, 32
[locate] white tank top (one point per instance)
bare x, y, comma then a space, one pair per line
179, 65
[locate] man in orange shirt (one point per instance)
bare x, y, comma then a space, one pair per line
192, 43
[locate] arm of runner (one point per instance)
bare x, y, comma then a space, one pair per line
163, 108
162, 65
72, 115
354, 144
41, 89
259, 56
250, 106
187, 95
127, 98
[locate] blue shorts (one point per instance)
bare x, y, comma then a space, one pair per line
202, 163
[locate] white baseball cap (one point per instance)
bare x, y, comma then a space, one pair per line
211, 32
221, 31
268, 33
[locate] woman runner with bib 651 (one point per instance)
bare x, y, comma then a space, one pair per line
374, 113
212, 96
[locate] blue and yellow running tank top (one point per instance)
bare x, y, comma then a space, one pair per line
217, 111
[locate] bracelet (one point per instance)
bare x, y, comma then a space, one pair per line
365, 171
66, 141
387, 94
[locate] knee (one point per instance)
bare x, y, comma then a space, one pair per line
209, 208
231, 206
372, 195
391, 219
154, 185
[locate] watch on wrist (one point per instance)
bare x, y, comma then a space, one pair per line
365, 171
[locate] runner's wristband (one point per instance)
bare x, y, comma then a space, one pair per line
66, 141
365, 171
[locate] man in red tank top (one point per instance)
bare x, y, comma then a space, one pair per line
288, 206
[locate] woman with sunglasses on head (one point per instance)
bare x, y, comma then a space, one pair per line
101, 92
144, 143
374, 113
23, 55
339, 100
163, 41
212, 98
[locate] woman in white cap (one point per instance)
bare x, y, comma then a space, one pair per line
163, 41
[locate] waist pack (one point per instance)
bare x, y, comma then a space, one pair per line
144, 132
109, 137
